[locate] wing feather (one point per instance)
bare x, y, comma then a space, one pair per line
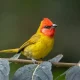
31, 41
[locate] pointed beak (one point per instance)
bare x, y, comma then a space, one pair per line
54, 26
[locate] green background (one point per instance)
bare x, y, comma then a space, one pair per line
19, 19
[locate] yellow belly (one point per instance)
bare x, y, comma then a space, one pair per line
40, 49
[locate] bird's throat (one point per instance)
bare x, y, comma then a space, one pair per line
49, 33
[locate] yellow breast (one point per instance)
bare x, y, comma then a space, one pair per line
40, 49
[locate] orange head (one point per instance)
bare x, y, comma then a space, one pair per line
47, 27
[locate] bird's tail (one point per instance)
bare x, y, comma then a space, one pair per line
10, 50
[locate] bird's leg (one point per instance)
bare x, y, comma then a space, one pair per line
37, 61
34, 61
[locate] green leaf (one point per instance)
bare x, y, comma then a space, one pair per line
43, 72
16, 56
57, 58
73, 73
25, 72
34, 72
4, 69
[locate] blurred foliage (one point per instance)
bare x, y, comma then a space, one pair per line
58, 71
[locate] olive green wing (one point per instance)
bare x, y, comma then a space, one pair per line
31, 41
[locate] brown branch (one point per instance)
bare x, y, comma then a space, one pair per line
58, 64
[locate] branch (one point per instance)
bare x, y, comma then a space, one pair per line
58, 64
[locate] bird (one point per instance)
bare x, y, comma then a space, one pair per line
40, 44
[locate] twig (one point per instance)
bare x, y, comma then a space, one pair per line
58, 64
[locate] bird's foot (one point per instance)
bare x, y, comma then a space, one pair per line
34, 61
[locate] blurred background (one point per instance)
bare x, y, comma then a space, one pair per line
19, 20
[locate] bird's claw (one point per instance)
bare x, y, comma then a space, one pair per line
34, 61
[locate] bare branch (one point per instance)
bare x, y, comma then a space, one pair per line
57, 64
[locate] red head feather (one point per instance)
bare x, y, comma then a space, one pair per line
50, 31
47, 22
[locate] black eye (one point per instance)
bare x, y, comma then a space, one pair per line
48, 27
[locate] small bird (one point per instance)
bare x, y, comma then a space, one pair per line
40, 44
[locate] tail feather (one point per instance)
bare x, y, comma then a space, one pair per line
10, 50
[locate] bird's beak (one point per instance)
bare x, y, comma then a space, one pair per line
54, 25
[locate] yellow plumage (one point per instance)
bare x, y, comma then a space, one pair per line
40, 44
40, 49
